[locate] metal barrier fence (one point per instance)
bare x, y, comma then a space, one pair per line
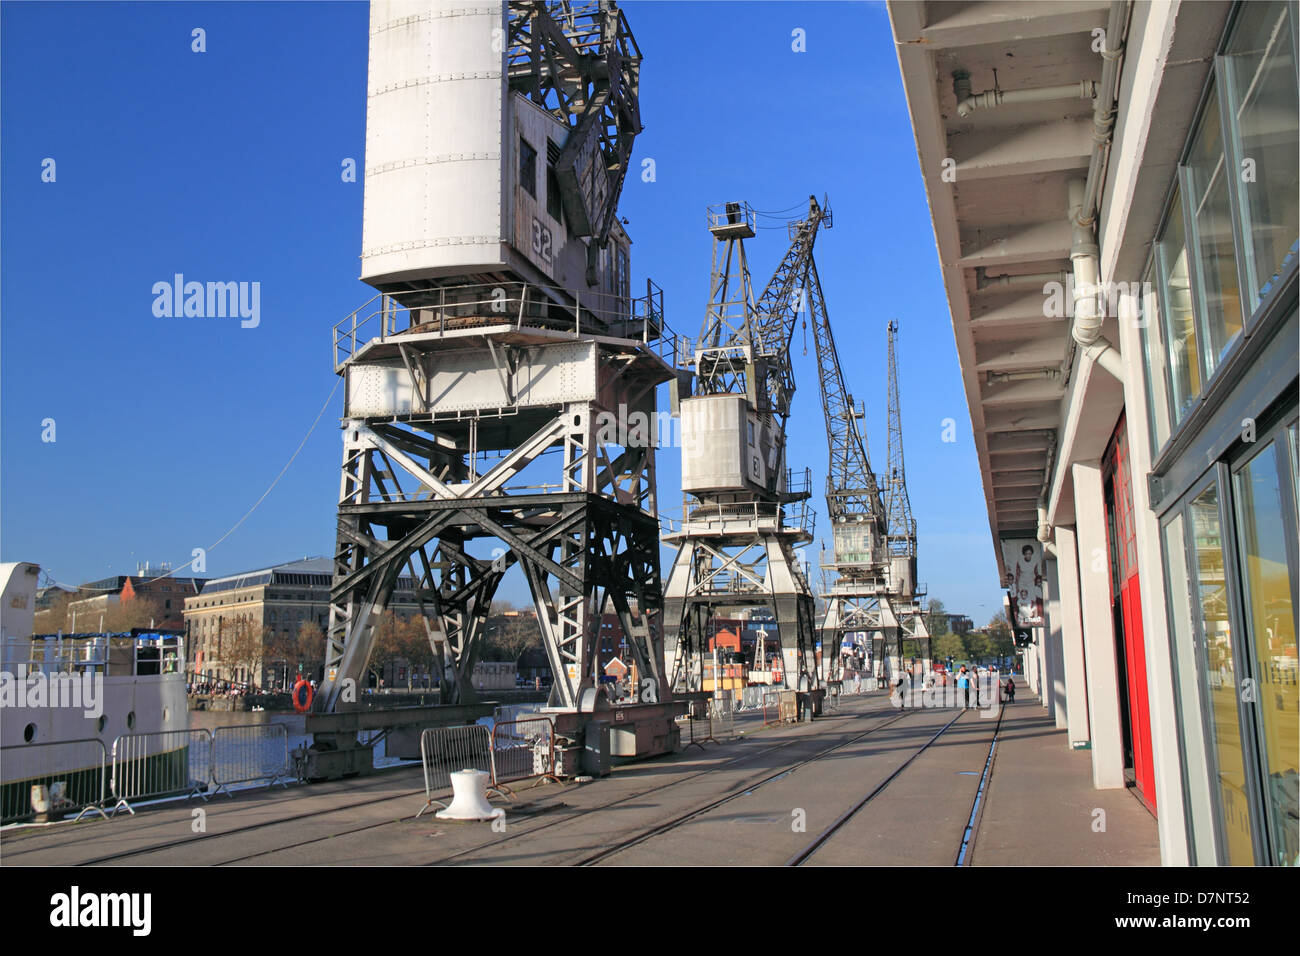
831, 702
523, 749
163, 763
248, 754
72, 774
771, 707
446, 750
722, 714
696, 731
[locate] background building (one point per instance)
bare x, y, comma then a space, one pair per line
107, 604
234, 617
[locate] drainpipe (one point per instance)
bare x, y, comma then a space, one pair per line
968, 103
1083, 202
1045, 529
1088, 317
985, 281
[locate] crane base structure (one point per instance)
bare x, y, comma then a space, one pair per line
855, 608
503, 415
734, 557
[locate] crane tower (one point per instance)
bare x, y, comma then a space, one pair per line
500, 386
743, 512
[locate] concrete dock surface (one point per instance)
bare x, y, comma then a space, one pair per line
767, 797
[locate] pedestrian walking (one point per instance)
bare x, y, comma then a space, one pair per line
1011, 690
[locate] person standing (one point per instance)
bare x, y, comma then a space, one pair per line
1011, 690
963, 686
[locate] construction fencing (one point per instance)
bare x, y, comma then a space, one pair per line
523, 749
447, 750
52, 779
713, 723
163, 763
250, 754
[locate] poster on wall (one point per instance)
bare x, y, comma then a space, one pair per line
1023, 559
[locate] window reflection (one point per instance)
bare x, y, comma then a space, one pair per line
1179, 322
1261, 80
1261, 539
1220, 678
1207, 185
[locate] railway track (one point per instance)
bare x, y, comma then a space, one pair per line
972, 824
835, 827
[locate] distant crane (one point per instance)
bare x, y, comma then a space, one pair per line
902, 527
873, 536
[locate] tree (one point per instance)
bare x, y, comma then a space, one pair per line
1001, 638
141, 611
388, 644
241, 647
508, 637
978, 646
936, 618
947, 645
54, 617
419, 652
309, 649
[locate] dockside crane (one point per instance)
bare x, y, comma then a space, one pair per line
873, 535
743, 513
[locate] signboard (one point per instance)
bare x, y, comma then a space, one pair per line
1023, 559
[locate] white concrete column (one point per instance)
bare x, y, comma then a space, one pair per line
1170, 811
1055, 647
1043, 636
1098, 628
1076, 681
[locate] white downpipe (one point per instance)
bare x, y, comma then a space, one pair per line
1088, 318
1045, 529
968, 103
1083, 202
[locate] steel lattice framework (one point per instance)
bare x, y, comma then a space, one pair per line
580, 63
519, 414
737, 545
873, 590
902, 527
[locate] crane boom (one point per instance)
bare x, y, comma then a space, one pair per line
851, 487
902, 527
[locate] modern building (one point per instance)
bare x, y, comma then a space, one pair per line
1113, 188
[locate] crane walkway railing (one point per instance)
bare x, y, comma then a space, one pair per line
516, 304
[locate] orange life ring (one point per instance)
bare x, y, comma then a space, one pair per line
301, 701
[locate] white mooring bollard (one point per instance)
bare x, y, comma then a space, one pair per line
469, 798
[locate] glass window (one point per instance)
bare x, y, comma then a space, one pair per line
1205, 179
1179, 323
527, 167
1220, 678
1259, 72
1188, 696
1153, 359
554, 205
1262, 522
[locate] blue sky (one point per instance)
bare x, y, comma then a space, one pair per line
225, 165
